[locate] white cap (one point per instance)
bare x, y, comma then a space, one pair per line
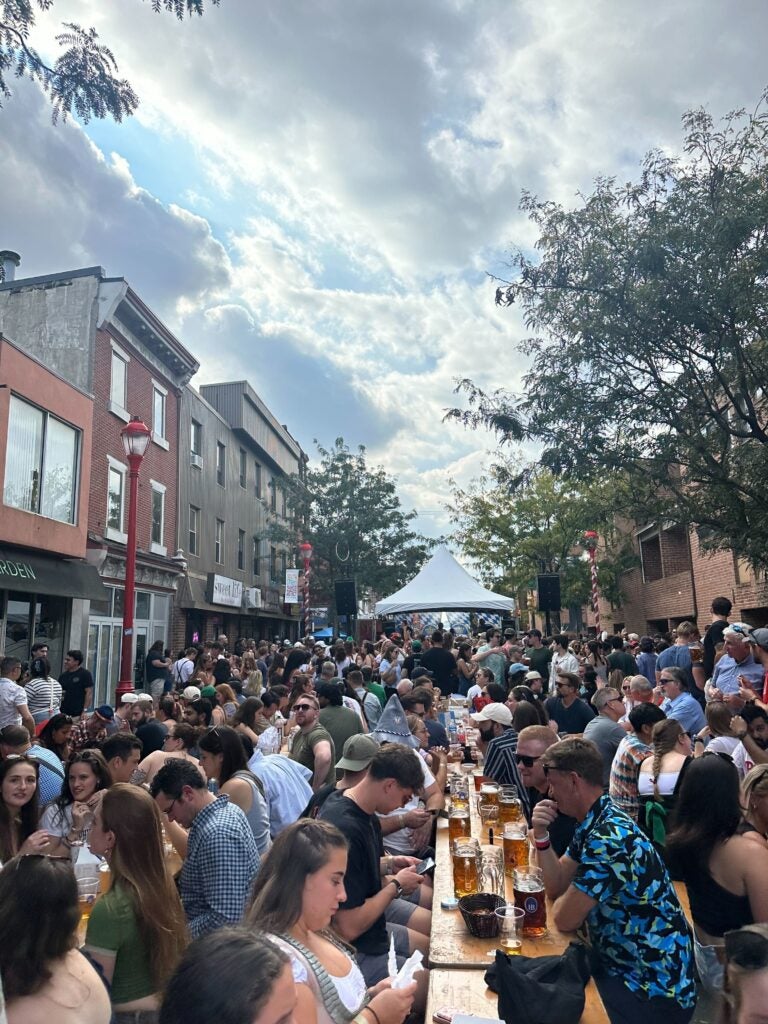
191, 693
144, 698
129, 698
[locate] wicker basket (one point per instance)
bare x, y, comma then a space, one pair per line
478, 911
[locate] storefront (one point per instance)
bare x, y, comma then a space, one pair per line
218, 604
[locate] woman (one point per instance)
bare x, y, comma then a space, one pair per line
222, 757
226, 699
367, 656
19, 812
525, 695
596, 659
68, 819
250, 673
178, 742
300, 685
44, 977
56, 735
249, 719
297, 891
659, 777
725, 874
754, 793
717, 734
202, 673
276, 666
746, 983
137, 930
231, 975
296, 658
525, 714
43, 691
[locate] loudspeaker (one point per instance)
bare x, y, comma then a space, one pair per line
548, 586
346, 597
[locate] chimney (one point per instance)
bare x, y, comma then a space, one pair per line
9, 260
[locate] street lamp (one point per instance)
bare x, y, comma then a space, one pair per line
135, 436
306, 554
590, 543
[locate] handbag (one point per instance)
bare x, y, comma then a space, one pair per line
541, 989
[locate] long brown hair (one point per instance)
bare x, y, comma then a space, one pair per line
663, 740
12, 835
138, 866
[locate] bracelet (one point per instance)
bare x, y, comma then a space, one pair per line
370, 1009
698, 739
543, 843
541, 847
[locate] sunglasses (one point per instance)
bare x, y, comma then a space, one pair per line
526, 759
746, 948
304, 707
552, 768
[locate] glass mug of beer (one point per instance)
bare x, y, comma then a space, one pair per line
491, 870
514, 840
460, 791
478, 778
489, 793
466, 857
510, 808
458, 823
528, 888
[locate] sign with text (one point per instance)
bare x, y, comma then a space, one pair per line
291, 586
223, 590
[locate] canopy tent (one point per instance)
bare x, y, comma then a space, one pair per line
443, 585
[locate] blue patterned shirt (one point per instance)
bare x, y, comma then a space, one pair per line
221, 865
637, 927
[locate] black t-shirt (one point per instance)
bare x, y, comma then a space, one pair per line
443, 666
73, 686
712, 637
538, 661
152, 735
363, 834
153, 671
573, 719
312, 810
562, 828
438, 737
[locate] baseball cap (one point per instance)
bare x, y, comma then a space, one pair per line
191, 693
498, 713
105, 711
129, 698
144, 698
509, 631
517, 666
358, 753
208, 691
760, 636
416, 645
533, 675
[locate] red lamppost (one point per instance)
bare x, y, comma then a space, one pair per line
306, 554
590, 543
136, 436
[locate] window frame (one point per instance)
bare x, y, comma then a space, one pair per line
157, 547
221, 464
243, 468
118, 409
241, 550
219, 541
256, 555
195, 435
194, 512
159, 436
258, 486
110, 532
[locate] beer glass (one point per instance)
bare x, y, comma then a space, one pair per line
528, 888
465, 855
514, 840
458, 823
87, 891
489, 816
491, 870
510, 809
460, 791
510, 920
478, 778
489, 793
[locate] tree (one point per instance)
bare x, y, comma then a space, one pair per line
538, 525
352, 517
648, 311
84, 78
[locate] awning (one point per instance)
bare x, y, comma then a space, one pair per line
59, 577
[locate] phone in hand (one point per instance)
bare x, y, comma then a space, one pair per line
424, 866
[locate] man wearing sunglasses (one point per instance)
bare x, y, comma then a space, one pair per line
532, 743
498, 743
312, 744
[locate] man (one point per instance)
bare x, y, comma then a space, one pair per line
491, 657
621, 659
182, 669
151, 733
123, 721
678, 703
421, 702
535, 682
760, 654
412, 660
358, 753
562, 660
189, 695
604, 730
122, 752
378, 881
751, 727
222, 859
612, 881
720, 609
441, 664
498, 742
91, 732
633, 750
13, 699
679, 656
567, 709
536, 656
737, 667
312, 745
286, 784
640, 689
337, 720
199, 713
14, 739
370, 702
532, 742
76, 685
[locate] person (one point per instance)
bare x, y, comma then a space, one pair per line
91, 732
180, 739
14, 739
497, 741
536, 656
123, 721
19, 811
726, 875
746, 987
634, 748
717, 735
465, 668
604, 730
222, 757
231, 975
750, 727
338, 721
421, 702
300, 684
137, 931
377, 882
523, 694
596, 659
44, 977
68, 819
313, 745
442, 664
660, 775
249, 719
183, 667
122, 752
56, 735
226, 700
76, 684
490, 657
13, 698
369, 702
532, 742
678, 702
357, 754
222, 859
286, 785
567, 709
621, 659
199, 713
43, 691
713, 637
562, 660
738, 666
612, 881
296, 895
156, 670
646, 660
151, 732
755, 802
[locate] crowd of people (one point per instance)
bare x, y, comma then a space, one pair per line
268, 770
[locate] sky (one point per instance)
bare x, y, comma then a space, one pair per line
312, 195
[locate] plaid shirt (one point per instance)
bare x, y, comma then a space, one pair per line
222, 862
82, 739
624, 772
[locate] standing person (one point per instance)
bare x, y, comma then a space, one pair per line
183, 667
621, 659
370, 703
68, 819
720, 609
659, 776
612, 881
532, 743
466, 668
738, 666
604, 730
647, 660
76, 683
536, 656
157, 669
562, 660
179, 741
597, 660
490, 656
43, 691
442, 664
567, 709
222, 859
312, 745
222, 757
679, 656
13, 698
136, 931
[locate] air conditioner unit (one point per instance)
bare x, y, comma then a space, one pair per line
196, 460
252, 597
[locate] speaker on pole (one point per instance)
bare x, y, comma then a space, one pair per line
548, 587
346, 597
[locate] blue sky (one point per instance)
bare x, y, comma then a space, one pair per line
311, 192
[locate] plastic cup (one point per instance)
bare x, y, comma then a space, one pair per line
510, 918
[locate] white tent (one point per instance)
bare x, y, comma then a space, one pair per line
443, 585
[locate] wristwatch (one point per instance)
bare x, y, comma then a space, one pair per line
398, 888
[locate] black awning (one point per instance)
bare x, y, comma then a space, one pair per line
59, 577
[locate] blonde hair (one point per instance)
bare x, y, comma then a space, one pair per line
755, 783
663, 741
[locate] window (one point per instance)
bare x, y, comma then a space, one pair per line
194, 530
116, 500
258, 488
42, 459
158, 519
243, 468
283, 566
221, 461
273, 495
273, 564
196, 438
241, 549
283, 501
256, 556
119, 381
159, 394
218, 548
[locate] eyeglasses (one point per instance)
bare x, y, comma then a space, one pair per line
304, 707
746, 948
553, 768
667, 680
527, 760
169, 808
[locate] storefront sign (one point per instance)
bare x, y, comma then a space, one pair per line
291, 586
17, 570
223, 590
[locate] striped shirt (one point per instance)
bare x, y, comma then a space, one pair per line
501, 766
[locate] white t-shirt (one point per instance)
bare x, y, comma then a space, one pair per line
12, 697
402, 840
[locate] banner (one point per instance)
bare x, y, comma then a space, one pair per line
291, 586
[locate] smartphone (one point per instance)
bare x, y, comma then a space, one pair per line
424, 866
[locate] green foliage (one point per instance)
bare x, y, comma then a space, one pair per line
352, 517
83, 78
648, 307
